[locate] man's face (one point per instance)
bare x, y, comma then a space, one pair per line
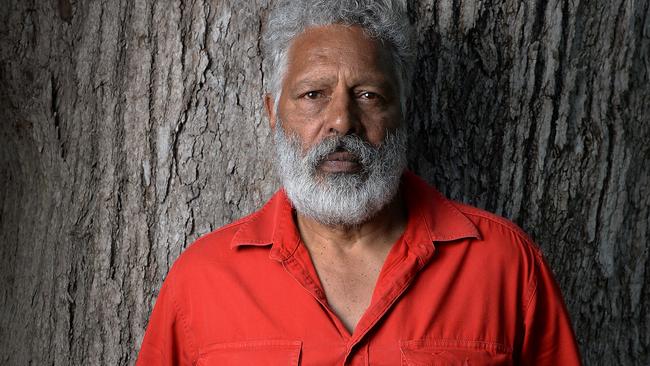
338, 82
340, 142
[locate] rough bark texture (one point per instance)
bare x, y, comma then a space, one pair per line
129, 128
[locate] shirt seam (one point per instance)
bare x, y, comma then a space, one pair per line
501, 346
532, 289
305, 272
186, 328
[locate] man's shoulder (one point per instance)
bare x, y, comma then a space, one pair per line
212, 247
452, 220
503, 250
483, 217
218, 241
497, 231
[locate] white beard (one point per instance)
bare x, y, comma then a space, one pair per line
341, 199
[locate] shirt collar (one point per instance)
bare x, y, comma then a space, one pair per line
272, 225
432, 218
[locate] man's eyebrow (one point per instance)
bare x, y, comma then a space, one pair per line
309, 81
317, 80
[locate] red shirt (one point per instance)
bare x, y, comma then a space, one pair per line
460, 287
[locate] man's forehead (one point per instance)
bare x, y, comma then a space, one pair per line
317, 50
319, 43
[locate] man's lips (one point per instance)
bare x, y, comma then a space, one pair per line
341, 156
340, 161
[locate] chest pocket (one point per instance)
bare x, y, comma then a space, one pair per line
260, 352
445, 352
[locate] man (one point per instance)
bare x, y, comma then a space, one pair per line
356, 261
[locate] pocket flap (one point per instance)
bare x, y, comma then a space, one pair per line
257, 352
434, 352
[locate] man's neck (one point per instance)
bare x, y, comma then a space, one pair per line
348, 259
381, 231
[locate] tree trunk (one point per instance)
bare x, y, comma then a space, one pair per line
130, 128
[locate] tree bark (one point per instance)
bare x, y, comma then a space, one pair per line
133, 127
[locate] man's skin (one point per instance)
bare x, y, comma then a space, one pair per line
339, 82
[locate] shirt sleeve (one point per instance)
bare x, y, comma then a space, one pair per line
548, 335
167, 340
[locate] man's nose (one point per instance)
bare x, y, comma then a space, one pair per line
342, 117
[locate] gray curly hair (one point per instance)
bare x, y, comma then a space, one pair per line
384, 20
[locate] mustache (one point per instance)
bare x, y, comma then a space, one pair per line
362, 150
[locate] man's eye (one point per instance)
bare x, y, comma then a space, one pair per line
369, 95
313, 94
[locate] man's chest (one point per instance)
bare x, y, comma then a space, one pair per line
348, 284
416, 316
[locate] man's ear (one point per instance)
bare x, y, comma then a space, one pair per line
270, 109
